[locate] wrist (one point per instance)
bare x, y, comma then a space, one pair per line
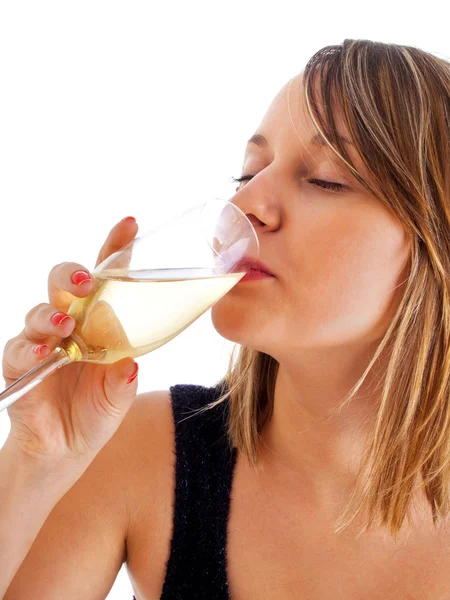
22, 471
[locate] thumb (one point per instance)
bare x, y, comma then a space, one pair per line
121, 383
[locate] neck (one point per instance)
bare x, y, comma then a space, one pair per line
306, 437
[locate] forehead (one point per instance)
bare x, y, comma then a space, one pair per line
288, 116
288, 126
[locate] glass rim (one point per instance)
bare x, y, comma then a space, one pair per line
228, 203
167, 223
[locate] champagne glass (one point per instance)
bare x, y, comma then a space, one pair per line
152, 289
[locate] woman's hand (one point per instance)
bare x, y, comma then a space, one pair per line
72, 414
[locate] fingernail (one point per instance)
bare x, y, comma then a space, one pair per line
129, 220
80, 277
59, 318
42, 349
133, 377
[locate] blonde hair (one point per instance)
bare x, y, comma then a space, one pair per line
395, 103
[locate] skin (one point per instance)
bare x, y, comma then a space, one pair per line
339, 260
321, 318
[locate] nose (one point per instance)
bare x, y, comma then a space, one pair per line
259, 206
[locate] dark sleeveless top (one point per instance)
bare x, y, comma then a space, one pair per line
197, 565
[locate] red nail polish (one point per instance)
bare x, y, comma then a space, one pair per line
129, 220
135, 374
42, 349
80, 277
59, 318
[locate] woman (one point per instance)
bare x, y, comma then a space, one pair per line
319, 466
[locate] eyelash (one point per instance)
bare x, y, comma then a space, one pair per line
329, 185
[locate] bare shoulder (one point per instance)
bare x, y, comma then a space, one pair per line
148, 421
146, 445
137, 465
140, 447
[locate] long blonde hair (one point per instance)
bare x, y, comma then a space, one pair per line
395, 102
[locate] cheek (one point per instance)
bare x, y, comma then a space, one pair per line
344, 270
338, 276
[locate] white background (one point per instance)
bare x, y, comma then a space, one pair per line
110, 109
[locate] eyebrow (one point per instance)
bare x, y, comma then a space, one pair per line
316, 140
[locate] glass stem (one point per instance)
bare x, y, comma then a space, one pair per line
57, 359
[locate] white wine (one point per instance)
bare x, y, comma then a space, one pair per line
130, 313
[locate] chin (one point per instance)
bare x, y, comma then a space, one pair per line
229, 322
239, 326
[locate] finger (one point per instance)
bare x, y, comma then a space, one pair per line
44, 321
21, 355
66, 282
120, 385
120, 235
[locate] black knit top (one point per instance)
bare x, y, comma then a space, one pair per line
197, 568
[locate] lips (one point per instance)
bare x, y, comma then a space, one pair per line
247, 263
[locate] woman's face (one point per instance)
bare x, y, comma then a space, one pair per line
337, 255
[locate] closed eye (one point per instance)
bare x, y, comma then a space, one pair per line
330, 185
